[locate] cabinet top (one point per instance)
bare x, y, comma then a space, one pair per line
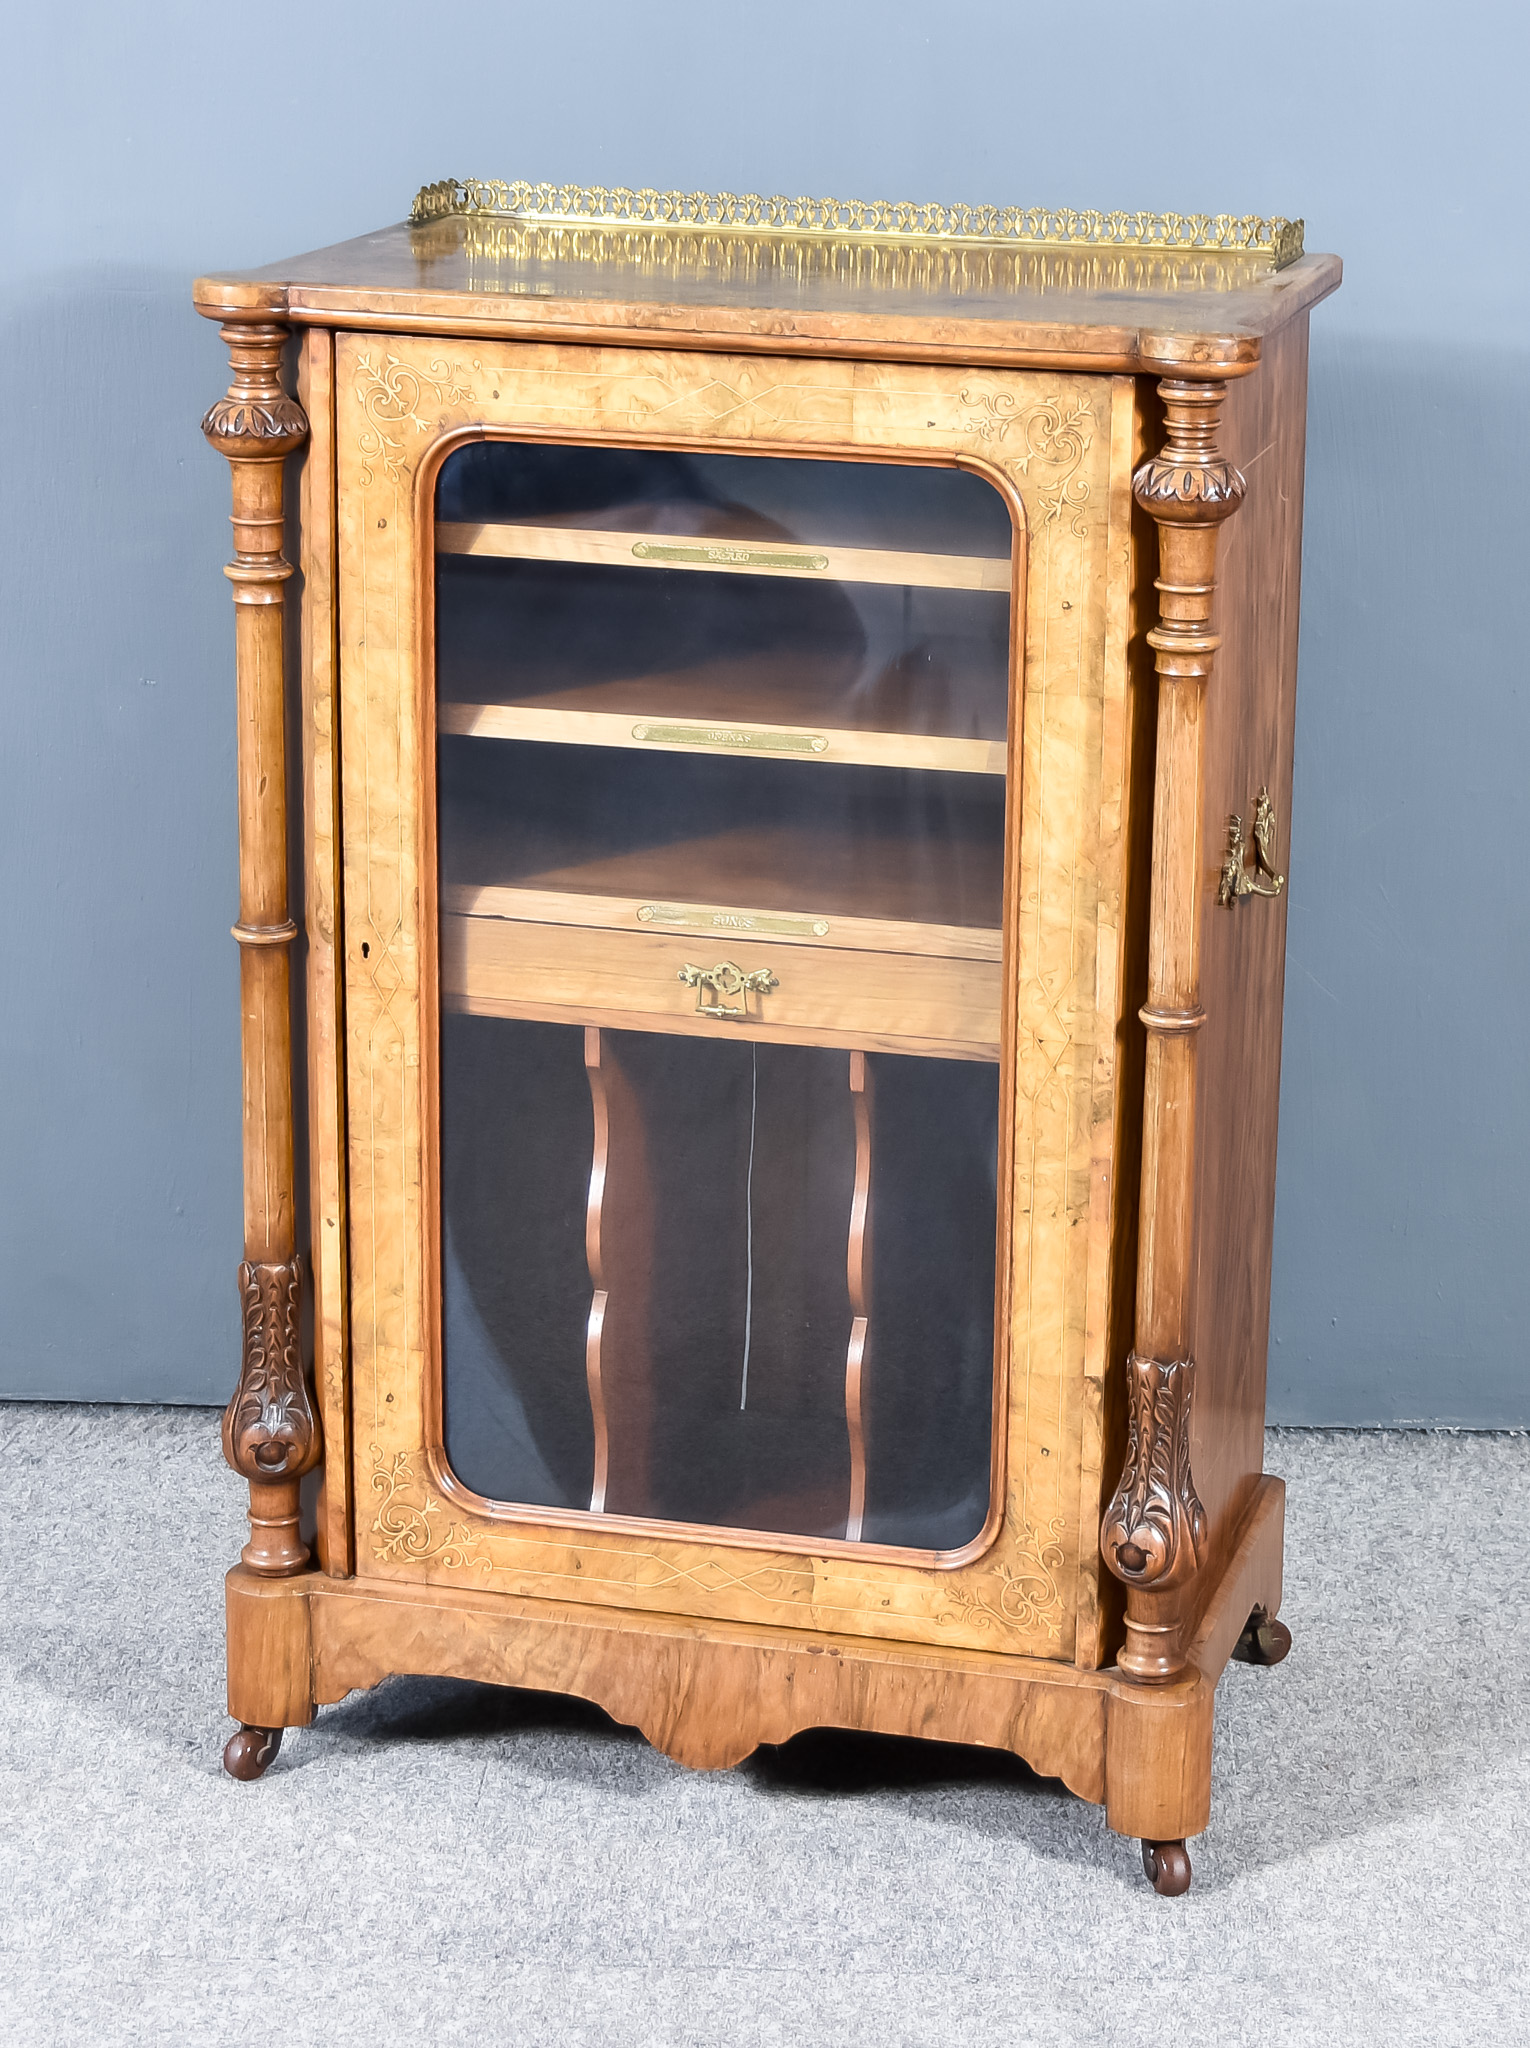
1185, 293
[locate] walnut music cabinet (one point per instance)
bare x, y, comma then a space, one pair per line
796, 710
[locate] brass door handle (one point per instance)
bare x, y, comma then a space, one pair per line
1239, 877
728, 986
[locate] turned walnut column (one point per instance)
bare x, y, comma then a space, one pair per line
270, 1431
1154, 1531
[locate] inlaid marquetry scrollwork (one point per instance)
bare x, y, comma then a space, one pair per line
406, 1529
403, 1526
1056, 435
1154, 1532
390, 393
270, 1429
1021, 1593
1051, 433
993, 416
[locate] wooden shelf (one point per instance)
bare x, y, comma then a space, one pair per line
914, 699
723, 923
757, 667
517, 541
656, 729
874, 891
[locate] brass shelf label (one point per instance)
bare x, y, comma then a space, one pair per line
726, 555
734, 921
738, 738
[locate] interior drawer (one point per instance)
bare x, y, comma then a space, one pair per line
821, 995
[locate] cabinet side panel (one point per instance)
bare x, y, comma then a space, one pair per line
324, 1033
1250, 722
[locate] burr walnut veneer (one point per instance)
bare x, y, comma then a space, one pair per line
758, 1201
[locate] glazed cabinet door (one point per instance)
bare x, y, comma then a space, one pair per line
720, 778
729, 882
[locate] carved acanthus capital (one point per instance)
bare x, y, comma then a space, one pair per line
237, 425
270, 1430
255, 419
1154, 1532
1189, 491
1189, 481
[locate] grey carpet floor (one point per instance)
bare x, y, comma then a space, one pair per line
436, 1863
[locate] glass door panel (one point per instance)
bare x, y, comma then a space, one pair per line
850, 598
721, 825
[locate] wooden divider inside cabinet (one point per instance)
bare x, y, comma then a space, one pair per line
718, 1335
858, 1281
619, 1247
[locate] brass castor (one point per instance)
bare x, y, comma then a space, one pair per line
1263, 1641
250, 1752
1167, 1865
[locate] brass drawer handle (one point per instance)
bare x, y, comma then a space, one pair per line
728, 987
1238, 877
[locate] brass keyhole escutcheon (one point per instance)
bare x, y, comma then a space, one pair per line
724, 990
1240, 876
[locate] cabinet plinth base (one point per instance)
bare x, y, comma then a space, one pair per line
709, 1693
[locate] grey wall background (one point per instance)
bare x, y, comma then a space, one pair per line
146, 142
